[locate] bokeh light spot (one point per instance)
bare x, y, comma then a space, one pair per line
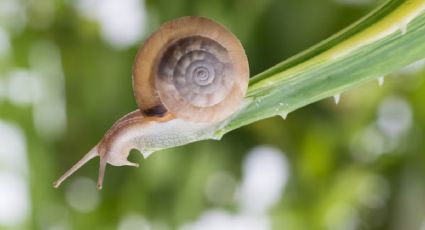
394, 116
265, 174
373, 191
82, 195
21, 87
220, 188
134, 222
5, 45
219, 219
122, 22
14, 199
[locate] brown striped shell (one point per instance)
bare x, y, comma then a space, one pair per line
193, 68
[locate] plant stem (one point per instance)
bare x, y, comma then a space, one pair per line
386, 40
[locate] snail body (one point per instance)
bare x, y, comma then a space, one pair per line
189, 75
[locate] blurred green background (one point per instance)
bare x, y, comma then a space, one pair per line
65, 78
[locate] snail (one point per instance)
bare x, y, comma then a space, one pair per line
190, 74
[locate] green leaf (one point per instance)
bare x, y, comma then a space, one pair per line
386, 40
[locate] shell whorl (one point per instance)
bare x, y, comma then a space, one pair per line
192, 67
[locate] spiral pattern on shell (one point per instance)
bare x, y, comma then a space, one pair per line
198, 69
192, 67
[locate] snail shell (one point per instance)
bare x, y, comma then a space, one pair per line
193, 68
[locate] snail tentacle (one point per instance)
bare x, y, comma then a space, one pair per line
86, 158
